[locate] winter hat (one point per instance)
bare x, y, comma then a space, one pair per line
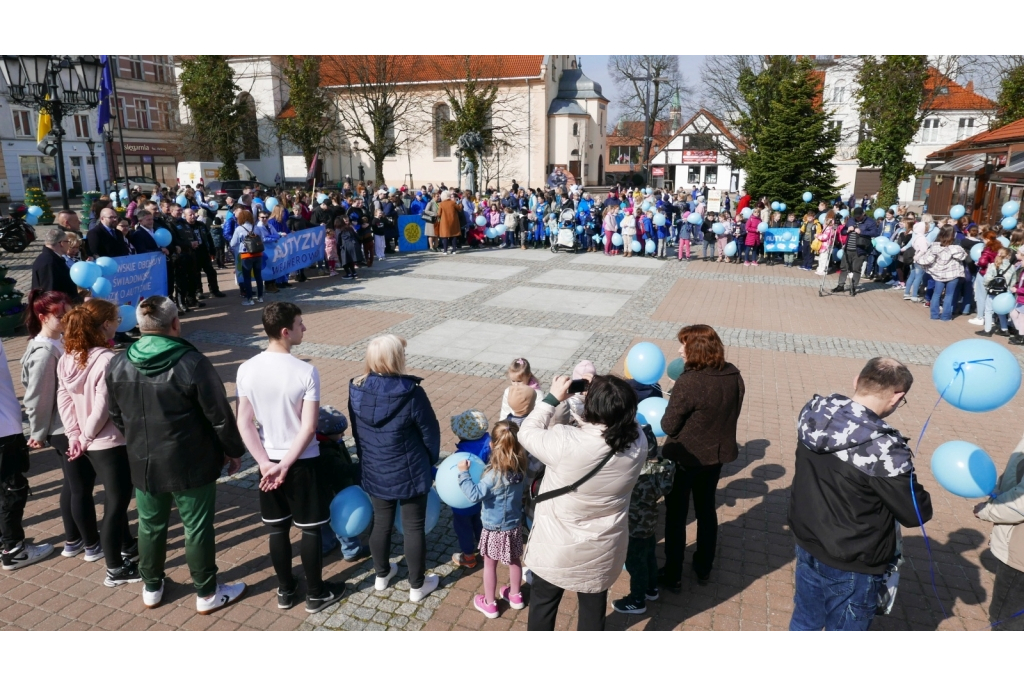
331, 421
470, 425
584, 368
858, 212
521, 399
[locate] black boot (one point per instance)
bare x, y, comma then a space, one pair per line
853, 290
839, 288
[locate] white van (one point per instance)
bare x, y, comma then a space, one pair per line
189, 173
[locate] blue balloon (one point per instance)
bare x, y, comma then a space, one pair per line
213, 206
1009, 223
648, 190
447, 479
635, 246
433, 514
976, 375
351, 512
645, 206
957, 211
650, 247
623, 205
976, 251
894, 208
839, 254
650, 412
718, 229
782, 206
35, 211
747, 211
1003, 240
964, 469
579, 229
808, 196
271, 203
730, 250
182, 201
123, 194
1004, 303
646, 363
616, 240
162, 237
481, 221
659, 219
891, 249
392, 190
31, 219
823, 218
775, 206
128, 319
879, 213
84, 274
844, 213
695, 219
884, 260
762, 227
101, 287
1010, 208
108, 266
321, 198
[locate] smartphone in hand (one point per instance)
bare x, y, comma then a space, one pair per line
578, 386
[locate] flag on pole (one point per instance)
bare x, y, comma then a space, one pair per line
312, 167
45, 124
106, 87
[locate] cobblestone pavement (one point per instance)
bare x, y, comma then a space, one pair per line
788, 342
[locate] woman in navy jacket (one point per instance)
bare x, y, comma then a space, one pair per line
398, 439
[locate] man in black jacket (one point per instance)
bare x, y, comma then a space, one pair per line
169, 403
104, 240
854, 482
50, 271
860, 229
202, 253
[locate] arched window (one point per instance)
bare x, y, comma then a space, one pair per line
575, 129
250, 127
839, 92
442, 115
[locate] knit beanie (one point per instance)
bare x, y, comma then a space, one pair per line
470, 424
521, 399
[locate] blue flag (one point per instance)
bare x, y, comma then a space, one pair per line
106, 88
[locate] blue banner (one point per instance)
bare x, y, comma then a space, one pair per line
292, 252
138, 277
411, 233
781, 239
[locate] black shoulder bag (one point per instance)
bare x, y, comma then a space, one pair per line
535, 486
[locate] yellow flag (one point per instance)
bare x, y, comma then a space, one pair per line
45, 124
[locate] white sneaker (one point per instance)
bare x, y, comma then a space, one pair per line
381, 584
430, 583
94, 553
260, 300
976, 321
225, 595
246, 302
153, 599
25, 554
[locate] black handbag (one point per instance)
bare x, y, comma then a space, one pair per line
536, 498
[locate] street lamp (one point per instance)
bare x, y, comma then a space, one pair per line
58, 85
91, 144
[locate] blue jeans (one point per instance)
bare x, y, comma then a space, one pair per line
252, 267
945, 290
467, 529
914, 281
749, 253
828, 598
965, 294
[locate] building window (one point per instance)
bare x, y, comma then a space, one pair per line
125, 113
624, 154
135, 66
965, 129
22, 123
142, 114
39, 172
442, 115
82, 125
864, 133
839, 92
931, 130
837, 125
250, 128
693, 174
167, 118
161, 69
711, 174
575, 129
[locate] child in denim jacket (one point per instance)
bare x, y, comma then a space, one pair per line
500, 490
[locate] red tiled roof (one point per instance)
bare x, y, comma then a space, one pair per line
635, 129
1011, 133
427, 68
819, 77
288, 112
957, 98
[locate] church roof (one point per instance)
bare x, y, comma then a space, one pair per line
568, 107
575, 85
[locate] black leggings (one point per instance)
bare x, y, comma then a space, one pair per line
310, 551
111, 466
77, 507
544, 601
414, 516
702, 481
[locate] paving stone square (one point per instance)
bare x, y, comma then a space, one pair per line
476, 341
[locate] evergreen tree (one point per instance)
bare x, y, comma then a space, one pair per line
791, 144
217, 116
36, 197
891, 94
315, 124
1010, 103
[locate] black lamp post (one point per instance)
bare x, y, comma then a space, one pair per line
58, 85
91, 144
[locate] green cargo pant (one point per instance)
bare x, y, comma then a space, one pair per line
196, 508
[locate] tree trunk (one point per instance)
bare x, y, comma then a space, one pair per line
378, 170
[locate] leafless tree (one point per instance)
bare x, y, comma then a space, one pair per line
720, 77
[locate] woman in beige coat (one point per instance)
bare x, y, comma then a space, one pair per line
578, 540
1006, 511
447, 225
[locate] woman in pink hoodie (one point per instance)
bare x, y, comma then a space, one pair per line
82, 403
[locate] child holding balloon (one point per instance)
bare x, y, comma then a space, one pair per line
500, 491
997, 279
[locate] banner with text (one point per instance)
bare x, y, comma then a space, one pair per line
294, 251
781, 239
138, 277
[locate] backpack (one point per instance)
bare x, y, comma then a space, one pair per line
998, 284
252, 243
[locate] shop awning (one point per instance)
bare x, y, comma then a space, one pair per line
1012, 172
960, 166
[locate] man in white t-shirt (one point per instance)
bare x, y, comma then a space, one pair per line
278, 408
17, 551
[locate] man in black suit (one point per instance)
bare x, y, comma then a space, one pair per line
50, 271
143, 237
104, 240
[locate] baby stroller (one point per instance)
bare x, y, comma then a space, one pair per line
567, 237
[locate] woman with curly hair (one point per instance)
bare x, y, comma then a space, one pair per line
82, 403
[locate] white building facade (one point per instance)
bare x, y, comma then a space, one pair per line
698, 153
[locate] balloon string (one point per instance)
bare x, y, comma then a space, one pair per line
1009, 618
958, 368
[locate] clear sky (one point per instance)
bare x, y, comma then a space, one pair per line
596, 67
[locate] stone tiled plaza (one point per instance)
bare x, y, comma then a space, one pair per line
465, 318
